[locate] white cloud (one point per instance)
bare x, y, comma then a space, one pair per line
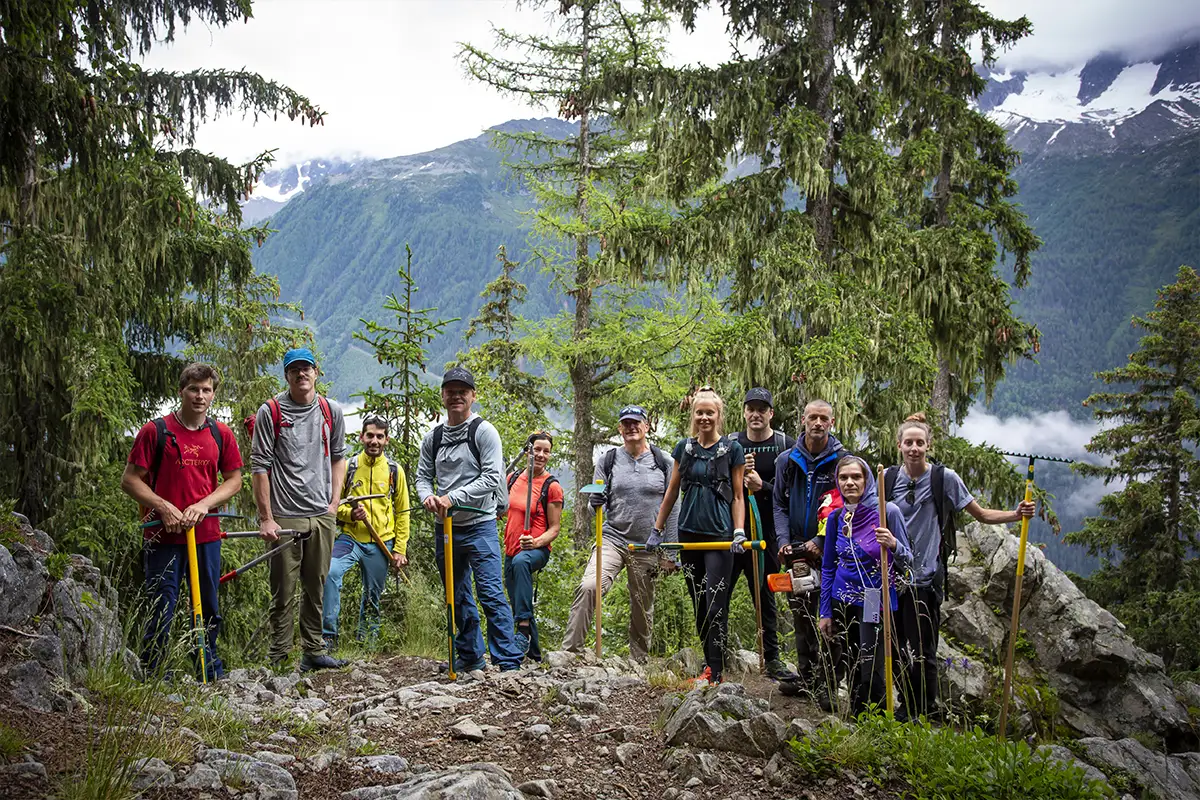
1050, 433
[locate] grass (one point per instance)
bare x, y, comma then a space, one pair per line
939, 763
12, 742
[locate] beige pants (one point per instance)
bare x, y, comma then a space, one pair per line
642, 567
307, 565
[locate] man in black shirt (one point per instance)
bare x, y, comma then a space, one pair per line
763, 446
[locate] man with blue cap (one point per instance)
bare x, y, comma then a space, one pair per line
298, 464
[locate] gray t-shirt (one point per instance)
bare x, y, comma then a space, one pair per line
458, 475
920, 517
638, 489
301, 473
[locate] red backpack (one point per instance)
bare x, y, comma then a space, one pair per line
277, 420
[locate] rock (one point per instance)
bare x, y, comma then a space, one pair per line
466, 728
686, 663
23, 579
744, 661
578, 722
273, 782
774, 770
688, 766
32, 686
151, 773
323, 760
201, 776
725, 720
1056, 752
541, 788
278, 759
1166, 775
384, 765
478, 781
23, 769
626, 753
538, 731
558, 658
1105, 684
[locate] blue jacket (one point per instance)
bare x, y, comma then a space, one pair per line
797, 501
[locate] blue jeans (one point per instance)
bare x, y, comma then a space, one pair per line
518, 579
477, 550
165, 568
348, 551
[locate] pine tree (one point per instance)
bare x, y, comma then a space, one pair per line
1149, 531
115, 233
587, 186
512, 399
407, 401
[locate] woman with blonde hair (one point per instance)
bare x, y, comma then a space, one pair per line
930, 497
708, 467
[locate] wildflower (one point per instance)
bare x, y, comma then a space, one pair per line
949, 662
965, 663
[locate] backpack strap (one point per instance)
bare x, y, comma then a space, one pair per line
327, 427
660, 461
161, 434
276, 416
512, 478
351, 468
211, 424
472, 430
545, 495
890, 476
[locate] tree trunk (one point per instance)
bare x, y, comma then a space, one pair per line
940, 399
583, 370
820, 207
29, 444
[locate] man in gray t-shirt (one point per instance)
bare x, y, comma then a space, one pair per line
297, 466
637, 476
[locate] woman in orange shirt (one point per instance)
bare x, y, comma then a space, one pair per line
527, 545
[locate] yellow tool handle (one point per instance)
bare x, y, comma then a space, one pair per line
599, 567
448, 549
197, 608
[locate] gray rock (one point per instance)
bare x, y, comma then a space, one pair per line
478, 781
1056, 752
1166, 775
466, 728
688, 765
278, 759
559, 658
540, 788
323, 760
724, 720
201, 776
272, 782
23, 769
537, 731
48, 651
23, 579
578, 722
151, 773
686, 662
775, 770
744, 661
384, 765
627, 753
32, 685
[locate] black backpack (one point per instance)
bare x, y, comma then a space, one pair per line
160, 445
720, 476
609, 461
472, 430
543, 496
948, 544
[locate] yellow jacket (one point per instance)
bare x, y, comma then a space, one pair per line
382, 511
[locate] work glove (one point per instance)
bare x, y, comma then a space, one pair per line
654, 539
735, 546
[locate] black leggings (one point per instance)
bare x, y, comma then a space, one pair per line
743, 564
918, 620
709, 575
862, 644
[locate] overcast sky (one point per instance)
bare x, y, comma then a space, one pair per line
386, 74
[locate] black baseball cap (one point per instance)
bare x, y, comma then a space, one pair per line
459, 375
760, 395
633, 412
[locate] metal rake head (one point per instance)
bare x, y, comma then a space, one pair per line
1037, 457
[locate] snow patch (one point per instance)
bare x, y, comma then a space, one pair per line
1054, 135
998, 78
426, 166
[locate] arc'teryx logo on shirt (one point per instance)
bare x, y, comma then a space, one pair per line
191, 453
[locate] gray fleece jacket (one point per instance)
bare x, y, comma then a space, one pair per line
458, 475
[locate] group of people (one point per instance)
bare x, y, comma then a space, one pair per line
815, 504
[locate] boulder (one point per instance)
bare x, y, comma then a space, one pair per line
238, 769
723, 719
467, 728
23, 579
539, 788
1167, 776
478, 781
151, 773
686, 662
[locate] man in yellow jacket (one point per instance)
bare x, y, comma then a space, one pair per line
369, 472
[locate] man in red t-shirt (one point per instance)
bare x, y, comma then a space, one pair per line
528, 551
172, 472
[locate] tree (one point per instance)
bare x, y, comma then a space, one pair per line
115, 233
407, 402
512, 399
1149, 531
588, 186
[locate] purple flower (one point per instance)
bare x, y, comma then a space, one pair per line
949, 662
965, 663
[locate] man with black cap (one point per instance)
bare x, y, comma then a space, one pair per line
462, 464
297, 465
636, 476
762, 445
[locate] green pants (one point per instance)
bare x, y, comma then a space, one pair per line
308, 564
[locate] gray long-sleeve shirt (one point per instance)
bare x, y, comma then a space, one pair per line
458, 475
637, 491
301, 473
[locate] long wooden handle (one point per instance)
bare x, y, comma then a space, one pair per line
197, 608
599, 568
889, 697
1015, 622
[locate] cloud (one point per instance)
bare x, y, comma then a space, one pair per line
1067, 33
1051, 433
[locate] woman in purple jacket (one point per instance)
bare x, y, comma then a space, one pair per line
852, 581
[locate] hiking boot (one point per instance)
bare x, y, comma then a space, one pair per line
311, 663
706, 679
778, 671
791, 688
523, 642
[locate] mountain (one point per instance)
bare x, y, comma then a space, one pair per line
342, 233
278, 186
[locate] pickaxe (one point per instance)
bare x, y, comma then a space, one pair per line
1016, 609
354, 500
219, 514
297, 538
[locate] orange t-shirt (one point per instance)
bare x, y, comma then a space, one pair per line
515, 526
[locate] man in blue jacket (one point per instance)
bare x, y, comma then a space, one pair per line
805, 475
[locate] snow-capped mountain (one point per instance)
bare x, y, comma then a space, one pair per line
277, 186
1106, 104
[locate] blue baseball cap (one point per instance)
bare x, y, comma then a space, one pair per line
633, 412
298, 355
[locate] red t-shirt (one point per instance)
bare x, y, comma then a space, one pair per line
188, 472
515, 526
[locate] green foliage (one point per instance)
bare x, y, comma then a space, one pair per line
56, 565
12, 742
1152, 525
938, 762
97, 169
